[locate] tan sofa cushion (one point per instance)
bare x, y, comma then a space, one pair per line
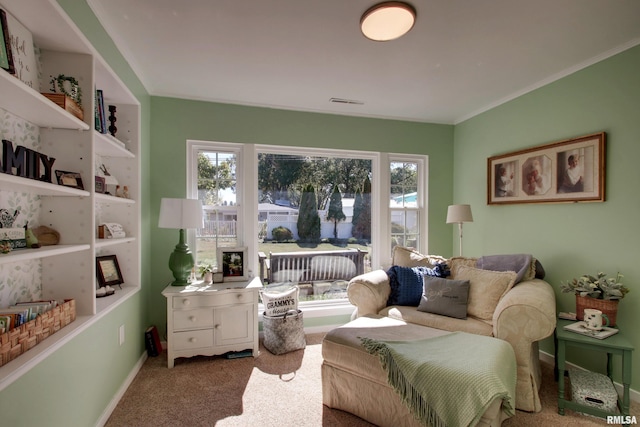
408, 257
485, 290
412, 315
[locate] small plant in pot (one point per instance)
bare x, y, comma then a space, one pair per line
206, 272
598, 292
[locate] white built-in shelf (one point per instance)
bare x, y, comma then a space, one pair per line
109, 146
26, 185
27, 360
44, 251
32, 106
107, 198
102, 243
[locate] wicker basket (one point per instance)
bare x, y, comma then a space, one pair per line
28, 335
608, 307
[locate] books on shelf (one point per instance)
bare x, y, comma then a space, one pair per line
101, 118
152, 341
581, 328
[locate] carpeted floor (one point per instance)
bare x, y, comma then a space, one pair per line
270, 390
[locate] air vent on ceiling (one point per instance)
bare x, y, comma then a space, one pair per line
346, 101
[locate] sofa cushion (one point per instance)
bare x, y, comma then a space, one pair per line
407, 285
445, 296
412, 315
485, 290
409, 257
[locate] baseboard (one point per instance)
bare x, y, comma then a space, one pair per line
634, 395
123, 388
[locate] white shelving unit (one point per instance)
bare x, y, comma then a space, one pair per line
69, 268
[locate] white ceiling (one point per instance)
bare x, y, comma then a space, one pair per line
461, 58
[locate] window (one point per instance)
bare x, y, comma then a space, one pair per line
405, 203
305, 199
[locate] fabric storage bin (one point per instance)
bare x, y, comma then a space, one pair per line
593, 389
285, 333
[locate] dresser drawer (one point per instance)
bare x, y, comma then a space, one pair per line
192, 339
221, 298
192, 319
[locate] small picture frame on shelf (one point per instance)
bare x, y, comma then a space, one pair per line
233, 262
108, 271
100, 184
69, 179
6, 56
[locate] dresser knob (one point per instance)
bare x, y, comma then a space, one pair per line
186, 301
192, 339
192, 318
216, 326
239, 296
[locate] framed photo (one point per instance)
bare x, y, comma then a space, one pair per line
100, 184
108, 271
6, 56
564, 171
233, 262
69, 179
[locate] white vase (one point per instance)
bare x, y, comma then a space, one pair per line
208, 277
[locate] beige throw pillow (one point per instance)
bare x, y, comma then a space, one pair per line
409, 257
486, 287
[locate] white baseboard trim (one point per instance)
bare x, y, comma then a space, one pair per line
634, 395
123, 388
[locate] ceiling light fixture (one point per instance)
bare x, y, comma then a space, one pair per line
387, 21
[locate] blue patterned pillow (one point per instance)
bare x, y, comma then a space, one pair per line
407, 284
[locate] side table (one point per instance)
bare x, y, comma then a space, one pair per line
616, 344
212, 319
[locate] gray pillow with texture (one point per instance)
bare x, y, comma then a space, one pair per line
447, 297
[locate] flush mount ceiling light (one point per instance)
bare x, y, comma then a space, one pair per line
387, 21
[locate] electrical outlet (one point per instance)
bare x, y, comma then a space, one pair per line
121, 334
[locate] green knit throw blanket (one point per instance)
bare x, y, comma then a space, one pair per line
449, 380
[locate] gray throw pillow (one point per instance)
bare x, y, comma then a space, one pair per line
445, 296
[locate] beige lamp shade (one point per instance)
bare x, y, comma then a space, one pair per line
459, 213
180, 213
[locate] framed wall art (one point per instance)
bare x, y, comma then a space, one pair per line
233, 262
566, 171
108, 271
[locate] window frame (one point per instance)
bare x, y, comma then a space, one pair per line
247, 196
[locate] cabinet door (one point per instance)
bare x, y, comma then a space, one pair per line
234, 324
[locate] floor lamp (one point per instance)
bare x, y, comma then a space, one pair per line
457, 214
180, 214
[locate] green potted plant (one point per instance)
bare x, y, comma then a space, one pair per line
598, 292
206, 272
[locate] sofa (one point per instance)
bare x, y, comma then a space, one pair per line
507, 299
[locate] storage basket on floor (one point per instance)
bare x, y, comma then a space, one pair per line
285, 333
593, 389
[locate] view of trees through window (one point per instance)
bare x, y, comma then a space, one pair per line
305, 203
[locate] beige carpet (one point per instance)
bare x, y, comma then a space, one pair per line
269, 390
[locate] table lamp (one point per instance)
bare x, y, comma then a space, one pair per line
181, 214
457, 214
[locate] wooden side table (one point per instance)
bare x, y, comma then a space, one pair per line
616, 344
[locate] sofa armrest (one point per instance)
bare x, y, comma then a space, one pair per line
527, 311
369, 292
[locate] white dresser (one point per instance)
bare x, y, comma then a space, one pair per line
213, 319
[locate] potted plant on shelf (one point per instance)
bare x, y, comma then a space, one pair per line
206, 272
599, 292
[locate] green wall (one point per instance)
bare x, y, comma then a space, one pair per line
174, 121
76, 383
74, 386
575, 238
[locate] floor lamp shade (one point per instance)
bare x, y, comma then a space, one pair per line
181, 214
457, 214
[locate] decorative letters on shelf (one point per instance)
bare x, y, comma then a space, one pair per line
25, 162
